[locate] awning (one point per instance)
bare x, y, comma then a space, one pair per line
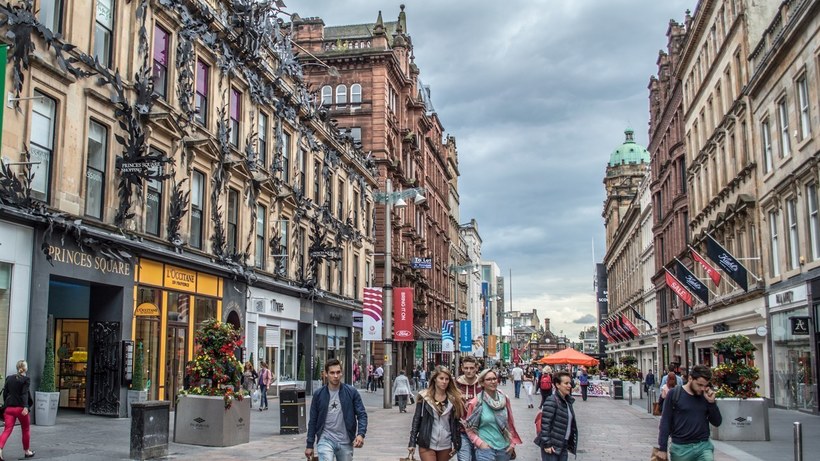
423, 334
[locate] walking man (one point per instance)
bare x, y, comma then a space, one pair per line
583, 380
338, 420
649, 381
380, 376
469, 386
517, 376
687, 412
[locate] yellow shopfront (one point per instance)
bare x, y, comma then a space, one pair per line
170, 303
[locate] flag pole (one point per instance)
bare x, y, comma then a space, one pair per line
758, 279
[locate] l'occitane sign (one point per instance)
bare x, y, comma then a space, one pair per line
180, 279
146, 310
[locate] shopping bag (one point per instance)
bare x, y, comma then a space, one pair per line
656, 409
255, 397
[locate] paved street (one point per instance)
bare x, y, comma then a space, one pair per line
610, 430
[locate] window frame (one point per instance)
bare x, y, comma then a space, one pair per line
793, 233
259, 248
803, 102
341, 95
57, 11
201, 93
813, 221
327, 96
282, 253
262, 140
235, 116
89, 169
774, 244
768, 161
157, 186
356, 95
232, 221
163, 93
200, 207
783, 127
317, 181
286, 156
110, 31
38, 99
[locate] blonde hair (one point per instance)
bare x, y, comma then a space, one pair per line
22, 365
453, 394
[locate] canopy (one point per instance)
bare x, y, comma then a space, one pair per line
569, 357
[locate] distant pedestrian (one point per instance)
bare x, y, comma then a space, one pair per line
518, 377
436, 426
528, 380
423, 378
265, 379
338, 420
489, 423
371, 378
649, 381
18, 402
559, 428
380, 376
545, 384
688, 411
668, 385
401, 390
583, 380
672, 375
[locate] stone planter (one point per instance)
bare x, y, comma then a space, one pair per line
135, 397
45, 408
743, 420
203, 420
637, 389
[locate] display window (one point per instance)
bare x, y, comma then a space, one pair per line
793, 372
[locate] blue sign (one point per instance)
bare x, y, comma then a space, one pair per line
421, 263
465, 333
485, 319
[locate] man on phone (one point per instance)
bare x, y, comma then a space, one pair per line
687, 412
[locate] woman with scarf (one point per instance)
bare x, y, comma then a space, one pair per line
489, 423
437, 419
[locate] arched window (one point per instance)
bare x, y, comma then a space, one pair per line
356, 95
341, 95
327, 95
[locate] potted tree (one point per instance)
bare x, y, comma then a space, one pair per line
212, 410
138, 391
317, 374
745, 414
46, 397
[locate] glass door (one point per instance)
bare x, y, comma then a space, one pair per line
175, 354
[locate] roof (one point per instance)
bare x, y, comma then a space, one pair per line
357, 31
629, 152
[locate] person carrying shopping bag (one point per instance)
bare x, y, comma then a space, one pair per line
401, 390
437, 419
489, 422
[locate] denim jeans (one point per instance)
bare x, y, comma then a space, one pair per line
466, 453
263, 392
491, 454
328, 450
517, 389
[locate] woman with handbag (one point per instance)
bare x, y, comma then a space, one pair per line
17, 404
401, 390
437, 419
489, 423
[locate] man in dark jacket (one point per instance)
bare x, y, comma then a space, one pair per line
559, 431
338, 420
649, 382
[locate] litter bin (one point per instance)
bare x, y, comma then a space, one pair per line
150, 424
292, 411
617, 389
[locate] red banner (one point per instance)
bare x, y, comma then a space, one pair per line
678, 288
402, 314
631, 326
604, 332
710, 271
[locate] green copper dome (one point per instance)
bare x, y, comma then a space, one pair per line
629, 152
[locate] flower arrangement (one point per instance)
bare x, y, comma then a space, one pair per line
215, 371
735, 377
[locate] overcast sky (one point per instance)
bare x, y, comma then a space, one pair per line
537, 94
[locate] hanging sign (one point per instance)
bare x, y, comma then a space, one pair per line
146, 310
447, 336
421, 263
465, 333
800, 325
402, 314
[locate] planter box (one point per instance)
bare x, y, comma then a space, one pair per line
743, 419
45, 408
203, 420
637, 389
135, 397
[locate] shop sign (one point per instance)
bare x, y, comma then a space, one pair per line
146, 310
792, 295
180, 279
421, 263
81, 259
800, 325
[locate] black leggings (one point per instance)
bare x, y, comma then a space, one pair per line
544, 395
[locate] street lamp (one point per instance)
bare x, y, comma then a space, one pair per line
391, 199
460, 270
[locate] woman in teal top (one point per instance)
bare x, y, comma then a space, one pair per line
489, 423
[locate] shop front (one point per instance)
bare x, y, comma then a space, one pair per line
271, 334
326, 330
15, 279
84, 302
171, 303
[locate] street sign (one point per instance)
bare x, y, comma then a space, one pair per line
421, 263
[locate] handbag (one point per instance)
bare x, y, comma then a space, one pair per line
656, 409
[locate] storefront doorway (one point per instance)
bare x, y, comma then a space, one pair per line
176, 352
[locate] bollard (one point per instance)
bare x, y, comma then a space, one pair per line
798, 441
649, 400
630, 396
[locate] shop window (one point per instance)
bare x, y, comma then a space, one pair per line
205, 310
95, 169
160, 71
51, 15
287, 359
5, 306
41, 145
103, 32
197, 207
794, 384
72, 356
148, 334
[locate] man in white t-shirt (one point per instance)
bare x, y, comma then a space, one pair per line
518, 377
380, 376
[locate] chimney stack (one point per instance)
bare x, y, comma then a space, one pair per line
546, 324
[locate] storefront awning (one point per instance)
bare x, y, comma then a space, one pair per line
423, 334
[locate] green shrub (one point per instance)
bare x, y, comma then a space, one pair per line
47, 379
138, 376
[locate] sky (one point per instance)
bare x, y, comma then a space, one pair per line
537, 94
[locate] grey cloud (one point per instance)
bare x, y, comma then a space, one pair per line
588, 318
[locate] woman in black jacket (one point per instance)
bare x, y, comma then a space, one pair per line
556, 416
437, 421
17, 401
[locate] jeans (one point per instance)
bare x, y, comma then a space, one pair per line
491, 454
698, 451
466, 453
328, 450
263, 393
517, 389
402, 399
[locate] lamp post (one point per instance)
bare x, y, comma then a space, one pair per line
466, 269
390, 200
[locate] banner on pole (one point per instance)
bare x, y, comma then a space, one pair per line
372, 308
403, 314
505, 352
692, 283
465, 333
491, 345
727, 262
678, 288
447, 336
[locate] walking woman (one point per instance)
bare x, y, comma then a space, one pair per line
401, 390
249, 379
265, 378
528, 380
18, 404
559, 428
489, 423
437, 419
671, 382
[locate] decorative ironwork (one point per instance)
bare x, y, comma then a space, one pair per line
105, 369
177, 211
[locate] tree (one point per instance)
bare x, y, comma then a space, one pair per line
47, 380
138, 376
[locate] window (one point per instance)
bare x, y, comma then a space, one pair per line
356, 95
340, 273
341, 197
814, 221
794, 242
803, 101
774, 263
355, 209
286, 157
262, 141
341, 95
202, 71
95, 169
356, 276
233, 220
103, 31
161, 44
236, 109
317, 174
783, 123
302, 163
302, 247
367, 219
197, 207
767, 146
41, 146
282, 252
261, 219
153, 202
329, 192
356, 134
51, 15
327, 95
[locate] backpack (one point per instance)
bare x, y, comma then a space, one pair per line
546, 382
